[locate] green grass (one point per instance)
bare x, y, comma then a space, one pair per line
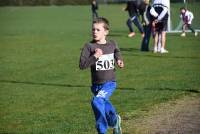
42, 89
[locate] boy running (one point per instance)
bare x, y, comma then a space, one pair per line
100, 55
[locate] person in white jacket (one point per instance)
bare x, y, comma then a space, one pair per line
187, 17
159, 11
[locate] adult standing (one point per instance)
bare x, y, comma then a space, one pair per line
160, 11
147, 24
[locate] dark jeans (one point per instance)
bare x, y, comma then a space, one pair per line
189, 27
135, 20
146, 39
94, 14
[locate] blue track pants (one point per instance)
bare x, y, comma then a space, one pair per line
104, 111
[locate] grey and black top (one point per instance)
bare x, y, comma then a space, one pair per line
131, 8
135, 8
103, 68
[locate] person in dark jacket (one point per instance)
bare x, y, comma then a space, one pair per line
147, 25
133, 11
94, 7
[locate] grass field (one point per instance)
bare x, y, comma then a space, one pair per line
42, 90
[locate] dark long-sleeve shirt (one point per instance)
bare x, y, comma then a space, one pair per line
103, 68
132, 8
94, 6
136, 7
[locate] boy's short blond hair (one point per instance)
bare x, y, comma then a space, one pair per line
102, 20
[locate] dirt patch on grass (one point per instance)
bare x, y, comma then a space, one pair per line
178, 117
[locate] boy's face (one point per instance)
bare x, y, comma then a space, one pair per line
99, 32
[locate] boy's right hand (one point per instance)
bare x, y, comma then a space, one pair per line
98, 53
120, 63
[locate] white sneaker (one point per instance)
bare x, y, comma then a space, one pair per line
163, 51
117, 128
159, 50
155, 50
196, 33
132, 34
183, 35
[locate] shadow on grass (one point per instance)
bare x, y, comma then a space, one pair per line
53, 84
115, 35
129, 49
121, 88
42, 83
159, 55
173, 89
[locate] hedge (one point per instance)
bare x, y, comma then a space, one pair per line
43, 2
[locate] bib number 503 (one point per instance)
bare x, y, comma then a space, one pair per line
105, 64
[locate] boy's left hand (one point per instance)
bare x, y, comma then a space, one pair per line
120, 63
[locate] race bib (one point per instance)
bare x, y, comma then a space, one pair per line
105, 62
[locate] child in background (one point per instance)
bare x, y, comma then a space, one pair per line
187, 17
94, 7
100, 55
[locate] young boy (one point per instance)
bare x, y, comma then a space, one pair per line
100, 55
187, 18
